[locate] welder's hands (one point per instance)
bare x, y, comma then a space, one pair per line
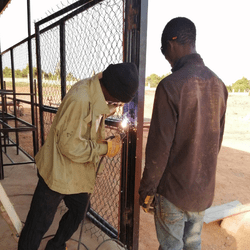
148, 204
146, 197
114, 146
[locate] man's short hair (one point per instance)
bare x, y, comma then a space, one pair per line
180, 29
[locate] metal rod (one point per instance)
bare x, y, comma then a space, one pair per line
28, 17
134, 51
39, 78
1, 69
72, 14
17, 44
63, 60
36, 115
1, 159
14, 95
61, 12
140, 117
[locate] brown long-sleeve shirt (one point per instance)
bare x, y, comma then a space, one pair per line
185, 135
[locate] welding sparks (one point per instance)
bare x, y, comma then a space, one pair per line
125, 122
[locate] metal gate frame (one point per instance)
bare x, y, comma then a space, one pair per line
134, 50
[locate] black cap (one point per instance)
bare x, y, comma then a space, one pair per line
121, 81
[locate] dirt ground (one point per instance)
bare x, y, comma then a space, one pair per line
232, 182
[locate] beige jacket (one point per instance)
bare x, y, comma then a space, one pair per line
69, 157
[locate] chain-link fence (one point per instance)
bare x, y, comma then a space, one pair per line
72, 44
75, 47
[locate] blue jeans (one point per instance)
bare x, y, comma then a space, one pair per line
177, 229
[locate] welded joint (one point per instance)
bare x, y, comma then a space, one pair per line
132, 18
127, 216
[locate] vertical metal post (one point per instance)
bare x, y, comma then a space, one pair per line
63, 59
134, 51
1, 158
28, 17
14, 94
1, 68
140, 118
39, 78
34, 133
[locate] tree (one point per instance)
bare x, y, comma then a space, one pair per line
58, 71
241, 85
25, 71
153, 80
18, 73
7, 72
229, 88
70, 77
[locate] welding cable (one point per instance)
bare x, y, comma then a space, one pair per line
122, 135
88, 202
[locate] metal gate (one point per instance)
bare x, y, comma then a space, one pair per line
78, 40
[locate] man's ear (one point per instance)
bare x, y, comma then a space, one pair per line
172, 44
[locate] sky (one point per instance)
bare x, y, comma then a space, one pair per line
223, 34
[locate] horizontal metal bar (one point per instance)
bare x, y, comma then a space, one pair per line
72, 14
17, 163
18, 44
19, 129
20, 94
49, 109
61, 12
113, 122
23, 101
97, 220
21, 149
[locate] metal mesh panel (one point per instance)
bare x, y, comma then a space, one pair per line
105, 199
48, 119
21, 63
94, 40
50, 66
7, 74
73, 46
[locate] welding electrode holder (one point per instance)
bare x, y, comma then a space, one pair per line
148, 205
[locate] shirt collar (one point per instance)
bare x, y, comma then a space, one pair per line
188, 59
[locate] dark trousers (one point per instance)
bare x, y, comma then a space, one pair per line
42, 211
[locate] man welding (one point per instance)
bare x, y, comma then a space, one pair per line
68, 160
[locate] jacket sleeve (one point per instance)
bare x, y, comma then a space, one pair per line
222, 120
73, 135
159, 143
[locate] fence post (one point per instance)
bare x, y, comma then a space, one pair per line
39, 79
1, 69
135, 35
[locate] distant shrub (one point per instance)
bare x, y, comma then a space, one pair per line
229, 88
241, 85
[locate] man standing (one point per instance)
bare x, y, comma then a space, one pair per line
184, 140
68, 160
